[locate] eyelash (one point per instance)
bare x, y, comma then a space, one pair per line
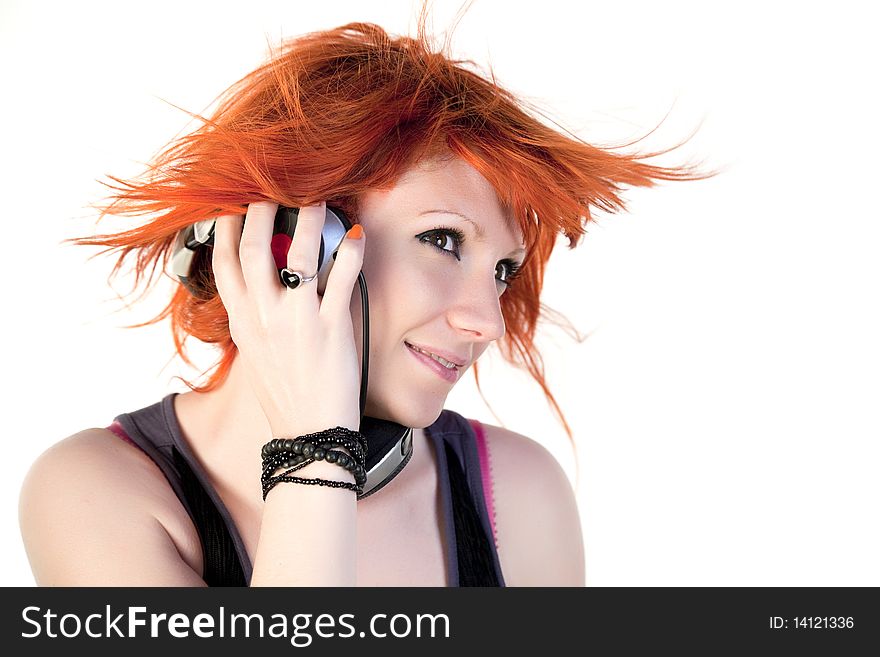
512, 266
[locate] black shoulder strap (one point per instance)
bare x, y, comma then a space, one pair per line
475, 565
222, 567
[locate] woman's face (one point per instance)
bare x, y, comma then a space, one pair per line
430, 289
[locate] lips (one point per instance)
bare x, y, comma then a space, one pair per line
447, 373
447, 356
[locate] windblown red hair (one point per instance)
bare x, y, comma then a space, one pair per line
336, 113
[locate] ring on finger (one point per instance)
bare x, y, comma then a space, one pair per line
293, 279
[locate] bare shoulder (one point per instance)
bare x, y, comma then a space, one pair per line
536, 517
94, 510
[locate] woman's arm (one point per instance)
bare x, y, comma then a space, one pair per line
302, 363
308, 533
540, 542
96, 511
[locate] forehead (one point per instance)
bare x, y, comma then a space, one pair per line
447, 184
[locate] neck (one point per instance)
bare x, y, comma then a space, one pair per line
225, 427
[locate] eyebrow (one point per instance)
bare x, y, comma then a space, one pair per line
478, 229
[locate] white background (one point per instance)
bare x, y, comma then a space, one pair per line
725, 403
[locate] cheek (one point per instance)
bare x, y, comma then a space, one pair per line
405, 302
406, 296
405, 276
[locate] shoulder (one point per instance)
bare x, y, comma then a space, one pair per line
538, 527
92, 506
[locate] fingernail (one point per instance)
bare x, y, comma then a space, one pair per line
355, 233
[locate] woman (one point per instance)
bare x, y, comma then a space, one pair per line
457, 196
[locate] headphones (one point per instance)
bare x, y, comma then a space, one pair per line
389, 445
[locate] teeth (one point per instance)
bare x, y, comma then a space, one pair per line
445, 363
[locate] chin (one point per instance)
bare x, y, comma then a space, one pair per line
409, 412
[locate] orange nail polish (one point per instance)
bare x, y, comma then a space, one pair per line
355, 233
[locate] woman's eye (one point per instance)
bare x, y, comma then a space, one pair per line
506, 271
446, 240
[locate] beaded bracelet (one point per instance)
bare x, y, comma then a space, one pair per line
288, 459
304, 480
296, 453
335, 433
269, 482
274, 466
302, 446
305, 450
289, 444
307, 447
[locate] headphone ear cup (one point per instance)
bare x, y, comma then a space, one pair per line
190, 259
181, 258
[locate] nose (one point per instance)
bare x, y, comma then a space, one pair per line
477, 311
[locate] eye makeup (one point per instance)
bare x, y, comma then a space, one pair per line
446, 236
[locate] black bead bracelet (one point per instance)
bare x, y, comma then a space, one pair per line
296, 453
297, 445
319, 451
269, 482
288, 459
319, 436
305, 480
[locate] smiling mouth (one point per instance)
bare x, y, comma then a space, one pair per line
445, 363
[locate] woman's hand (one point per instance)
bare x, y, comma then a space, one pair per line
298, 349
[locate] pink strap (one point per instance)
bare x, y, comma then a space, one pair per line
486, 475
119, 431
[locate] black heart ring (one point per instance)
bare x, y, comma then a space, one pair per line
293, 279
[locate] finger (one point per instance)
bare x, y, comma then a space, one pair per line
344, 274
304, 250
224, 259
302, 256
255, 250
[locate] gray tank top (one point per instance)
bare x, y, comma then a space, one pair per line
465, 489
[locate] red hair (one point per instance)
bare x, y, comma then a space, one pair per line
336, 113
